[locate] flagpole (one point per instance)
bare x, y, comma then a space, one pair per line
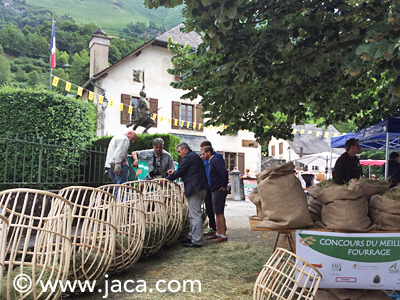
51, 55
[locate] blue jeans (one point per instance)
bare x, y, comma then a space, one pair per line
119, 179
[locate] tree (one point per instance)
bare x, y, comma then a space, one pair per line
79, 71
265, 65
33, 78
5, 74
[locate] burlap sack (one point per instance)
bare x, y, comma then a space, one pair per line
256, 199
385, 212
395, 189
283, 202
314, 205
344, 209
347, 294
370, 189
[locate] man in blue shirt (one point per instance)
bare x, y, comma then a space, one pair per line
208, 202
218, 181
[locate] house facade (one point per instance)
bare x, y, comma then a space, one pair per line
175, 115
308, 139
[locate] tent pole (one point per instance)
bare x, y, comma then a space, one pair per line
369, 172
387, 156
330, 167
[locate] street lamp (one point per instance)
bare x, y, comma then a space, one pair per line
289, 149
103, 107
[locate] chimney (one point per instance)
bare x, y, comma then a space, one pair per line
98, 47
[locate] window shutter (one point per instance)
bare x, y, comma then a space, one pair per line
125, 116
176, 107
241, 163
153, 107
199, 119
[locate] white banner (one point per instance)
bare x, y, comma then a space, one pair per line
352, 260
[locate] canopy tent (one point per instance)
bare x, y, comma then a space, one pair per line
318, 158
384, 135
371, 163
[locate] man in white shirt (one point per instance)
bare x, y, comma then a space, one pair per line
116, 162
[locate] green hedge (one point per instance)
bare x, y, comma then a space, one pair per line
144, 141
43, 114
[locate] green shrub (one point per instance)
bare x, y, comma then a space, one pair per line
144, 141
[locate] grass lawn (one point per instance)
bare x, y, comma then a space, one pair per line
226, 271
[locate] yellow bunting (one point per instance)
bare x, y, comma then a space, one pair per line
335, 134
55, 81
225, 127
220, 128
317, 134
294, 131
154, 116
68, 86
301, 131
90, 97
199, 126
187, 124
210, 126
121, 106
79, 91
101, 99
130, 109
111, 103
161, 118
182, 122
176, 122
194, 125
169, 121
310, 132
344, 133
326, 134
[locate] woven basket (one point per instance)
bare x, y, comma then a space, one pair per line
156, 215
3, 245
174, 203
130, 226
286, 276
93, 232
38, 242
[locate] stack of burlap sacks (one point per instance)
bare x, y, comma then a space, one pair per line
360, 206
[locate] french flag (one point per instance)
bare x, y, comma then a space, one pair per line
53, 47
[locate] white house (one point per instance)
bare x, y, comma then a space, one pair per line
308, 139
116, 83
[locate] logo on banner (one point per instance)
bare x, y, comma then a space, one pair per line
393, 268
376, 279
336, 267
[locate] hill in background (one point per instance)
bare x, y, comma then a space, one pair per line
112, 15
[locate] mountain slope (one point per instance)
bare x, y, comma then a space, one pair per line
112, 15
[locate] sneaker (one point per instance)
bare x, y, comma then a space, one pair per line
209, 232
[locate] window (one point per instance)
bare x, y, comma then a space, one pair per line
315, 168
280, 148
187, 113
273, 150
230, 160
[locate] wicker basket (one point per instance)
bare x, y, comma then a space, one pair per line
93, 232
3, 245
130, 225
287, 276
38, 242
174, 203
156, 215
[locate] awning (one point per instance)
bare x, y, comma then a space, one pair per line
193, 141
372, 163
